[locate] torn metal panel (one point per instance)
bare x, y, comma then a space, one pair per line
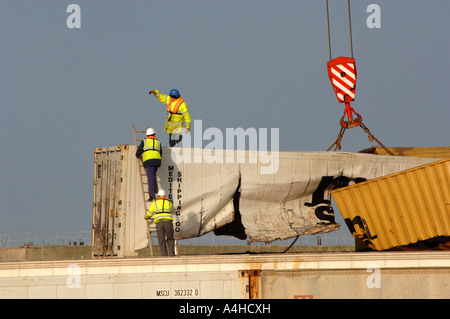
399, 209
296, 200
259, 195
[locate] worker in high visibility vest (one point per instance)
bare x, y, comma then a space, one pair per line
161, 211
151, 151
177, 113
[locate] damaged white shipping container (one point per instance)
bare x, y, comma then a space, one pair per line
259, 196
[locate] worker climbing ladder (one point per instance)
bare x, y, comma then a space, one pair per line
342, 73
144, 187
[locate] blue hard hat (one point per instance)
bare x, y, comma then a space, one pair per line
174, 93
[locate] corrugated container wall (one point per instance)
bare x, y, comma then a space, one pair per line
399, 209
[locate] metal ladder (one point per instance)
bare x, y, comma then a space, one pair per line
144, 186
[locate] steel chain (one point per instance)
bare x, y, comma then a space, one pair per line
366, 130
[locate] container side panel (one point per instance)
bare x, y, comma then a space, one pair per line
211, 189
401, 208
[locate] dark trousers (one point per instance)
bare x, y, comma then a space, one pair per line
165, 228
152, 182
174, 139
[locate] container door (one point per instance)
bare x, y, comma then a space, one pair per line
105, 212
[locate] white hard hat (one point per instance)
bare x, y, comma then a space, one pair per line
150, 131
161, 193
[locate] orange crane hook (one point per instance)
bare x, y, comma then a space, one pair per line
342, 73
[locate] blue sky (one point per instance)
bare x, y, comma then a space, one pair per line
247, 63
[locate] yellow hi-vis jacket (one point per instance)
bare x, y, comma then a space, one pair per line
161, 209
177, 113
152, 149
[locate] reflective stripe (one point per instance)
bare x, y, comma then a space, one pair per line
159, 217
164, 208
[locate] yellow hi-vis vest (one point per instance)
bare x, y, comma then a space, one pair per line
152, 149
161, 209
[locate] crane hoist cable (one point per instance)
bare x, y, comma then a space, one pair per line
342, 73
349, 24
